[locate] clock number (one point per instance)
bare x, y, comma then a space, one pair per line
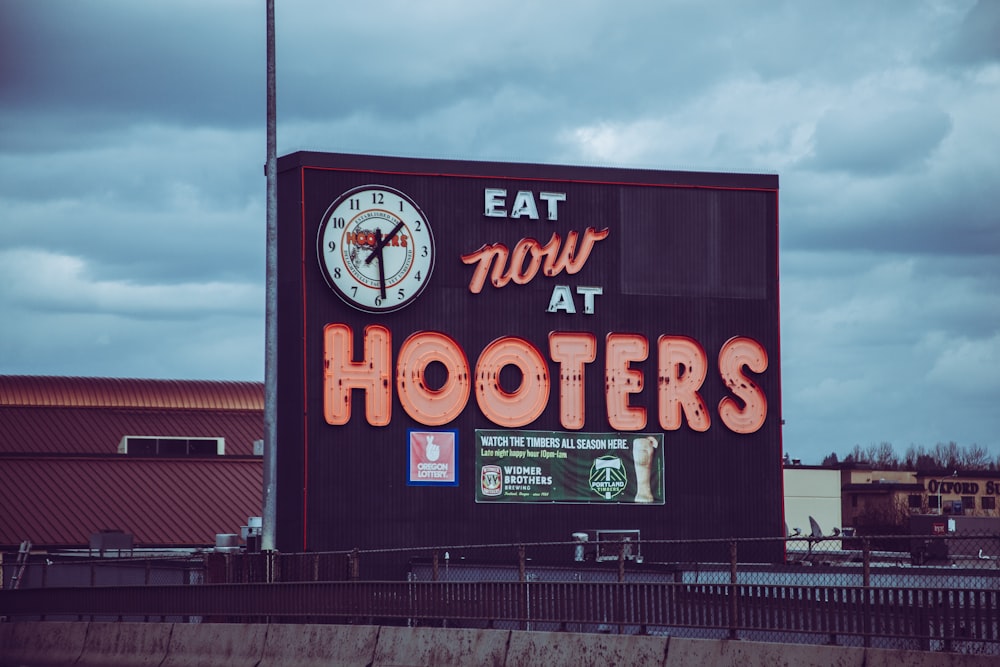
378, 300
336, 273
354, 290
401, 295
378, 198
400, 205
417, 276
423, 251
418, 225
332, 245
338, 223
355, 204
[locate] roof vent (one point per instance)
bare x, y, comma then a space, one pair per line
171, 446
106, 541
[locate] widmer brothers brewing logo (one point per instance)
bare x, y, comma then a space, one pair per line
392, 269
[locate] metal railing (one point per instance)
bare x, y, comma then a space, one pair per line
823, 613
821, 591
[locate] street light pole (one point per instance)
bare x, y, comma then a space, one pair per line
940, 491
269, 513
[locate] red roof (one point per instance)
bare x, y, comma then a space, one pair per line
91, 415
37, 390
62, 478
60, 501
47, 430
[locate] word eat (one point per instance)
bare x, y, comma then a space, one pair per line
523, 206
682, 367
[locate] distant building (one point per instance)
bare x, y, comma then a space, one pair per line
121, 464
872, 499
812, 494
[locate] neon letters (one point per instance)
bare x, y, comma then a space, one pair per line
682, 367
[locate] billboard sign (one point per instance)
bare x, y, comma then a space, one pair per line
536, 466
479, 343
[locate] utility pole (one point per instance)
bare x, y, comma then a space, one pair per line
269, 518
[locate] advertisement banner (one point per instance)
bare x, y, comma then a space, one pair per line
433, 459
563, 467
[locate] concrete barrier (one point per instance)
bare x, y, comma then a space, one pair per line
215, 645
728, 653
319, 645
52, 643
420, 647
43, 643
572, 649
875, 657
133, 644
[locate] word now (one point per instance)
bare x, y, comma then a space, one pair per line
529, 257
682, 367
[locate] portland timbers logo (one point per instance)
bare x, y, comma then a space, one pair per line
607, 477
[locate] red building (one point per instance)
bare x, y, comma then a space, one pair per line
152, 463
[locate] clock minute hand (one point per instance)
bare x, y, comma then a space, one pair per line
379, 243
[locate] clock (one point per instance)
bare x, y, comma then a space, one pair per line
375, 248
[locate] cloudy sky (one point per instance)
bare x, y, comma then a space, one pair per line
132, 144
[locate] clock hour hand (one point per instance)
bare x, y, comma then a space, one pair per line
381, 241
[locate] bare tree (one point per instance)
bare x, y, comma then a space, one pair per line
948, 456
883, 456
913, 454
975, 457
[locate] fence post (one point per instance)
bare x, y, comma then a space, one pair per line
866, 582
522, 577
621, 589
355, 564
733, 609
434, 566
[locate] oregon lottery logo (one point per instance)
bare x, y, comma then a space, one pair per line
607, 477
492, 481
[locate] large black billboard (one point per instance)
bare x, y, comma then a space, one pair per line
475, 352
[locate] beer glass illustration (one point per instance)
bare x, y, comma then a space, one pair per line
642, 457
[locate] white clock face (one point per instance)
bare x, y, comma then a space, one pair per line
376, 248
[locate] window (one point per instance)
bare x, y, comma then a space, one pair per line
988, 502
915, 501
171, 447
968, 503
934, 502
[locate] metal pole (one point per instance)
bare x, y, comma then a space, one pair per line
269, 514
733, 602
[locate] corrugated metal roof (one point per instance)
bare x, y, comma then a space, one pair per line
54, 430
32, 390
56, 415
60, 501
61, 478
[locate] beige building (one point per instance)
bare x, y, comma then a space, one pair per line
870, 498
812, 491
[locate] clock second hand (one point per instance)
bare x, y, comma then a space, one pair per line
380, 242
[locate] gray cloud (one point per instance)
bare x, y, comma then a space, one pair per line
132, 146
878, 142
